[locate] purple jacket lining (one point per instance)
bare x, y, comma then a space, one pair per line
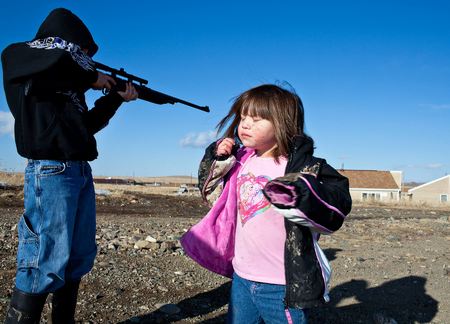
321, 200
211, 241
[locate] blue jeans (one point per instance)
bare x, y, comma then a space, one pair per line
57, 229
256, 302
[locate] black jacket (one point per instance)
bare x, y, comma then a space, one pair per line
45, 81
322, 196
304, 281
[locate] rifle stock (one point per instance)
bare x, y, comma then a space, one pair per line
121, 77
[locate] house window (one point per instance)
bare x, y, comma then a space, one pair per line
444, 198
371, 196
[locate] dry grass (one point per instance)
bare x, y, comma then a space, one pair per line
16, 178
120, 189
167, 185
403, 204
11, 178
177, 180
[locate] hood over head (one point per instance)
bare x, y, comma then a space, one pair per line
66, 25
61, 32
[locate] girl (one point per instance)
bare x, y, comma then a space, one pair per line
271, 199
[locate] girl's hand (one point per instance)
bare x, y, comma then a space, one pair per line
225, 147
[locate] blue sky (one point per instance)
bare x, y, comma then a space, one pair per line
374, 77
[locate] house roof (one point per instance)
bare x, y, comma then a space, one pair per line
370, 179
429, 183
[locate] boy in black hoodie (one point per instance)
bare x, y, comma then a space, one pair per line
45, 80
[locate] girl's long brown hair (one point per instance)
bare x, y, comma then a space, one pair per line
283, 108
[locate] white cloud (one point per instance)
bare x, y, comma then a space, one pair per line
6, 123
434, 166
201, 139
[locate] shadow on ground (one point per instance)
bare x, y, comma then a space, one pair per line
200, 304
402, 300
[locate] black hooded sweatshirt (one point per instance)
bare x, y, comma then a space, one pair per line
45, 80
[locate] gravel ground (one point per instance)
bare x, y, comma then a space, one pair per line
390, 265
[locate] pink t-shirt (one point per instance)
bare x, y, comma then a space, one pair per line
260, 232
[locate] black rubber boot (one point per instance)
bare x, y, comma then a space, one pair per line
64, 302
25, 308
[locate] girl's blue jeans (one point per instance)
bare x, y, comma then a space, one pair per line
57, 229
256, 302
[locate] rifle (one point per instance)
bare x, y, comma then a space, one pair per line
144, 92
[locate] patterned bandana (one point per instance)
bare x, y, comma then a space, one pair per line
49, 43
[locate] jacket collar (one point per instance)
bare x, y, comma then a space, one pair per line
301, 151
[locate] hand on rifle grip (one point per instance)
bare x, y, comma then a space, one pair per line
103, 82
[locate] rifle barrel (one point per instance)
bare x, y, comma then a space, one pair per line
160, 98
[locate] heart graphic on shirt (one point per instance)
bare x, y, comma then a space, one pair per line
251, 198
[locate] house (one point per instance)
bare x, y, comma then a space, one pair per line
436, 192
374, 185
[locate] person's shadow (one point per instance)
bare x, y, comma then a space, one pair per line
200, 304
331, 253
402, 300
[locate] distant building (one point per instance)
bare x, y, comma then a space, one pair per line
116, 181
436, 192
374, 185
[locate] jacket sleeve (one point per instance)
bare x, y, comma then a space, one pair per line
104, 109
64, 75
73, 73
67, 75
212, 171
320, 201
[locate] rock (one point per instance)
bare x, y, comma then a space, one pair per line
170, 309
7, 195
393, 238
150, 239
163, 289
446, 271
112, 246
168, 246
134, 239
142, 244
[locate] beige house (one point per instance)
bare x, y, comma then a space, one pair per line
374, 185
436, 192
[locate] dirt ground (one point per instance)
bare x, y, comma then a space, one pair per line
390, 265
